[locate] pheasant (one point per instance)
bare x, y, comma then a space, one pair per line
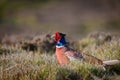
65, 54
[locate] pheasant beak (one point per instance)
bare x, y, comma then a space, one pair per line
53, 36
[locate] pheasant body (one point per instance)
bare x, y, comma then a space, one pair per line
65, 54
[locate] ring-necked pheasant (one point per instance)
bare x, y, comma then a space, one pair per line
65, 54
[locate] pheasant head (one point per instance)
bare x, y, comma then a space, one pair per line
59, 39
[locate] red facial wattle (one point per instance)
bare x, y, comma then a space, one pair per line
57, 37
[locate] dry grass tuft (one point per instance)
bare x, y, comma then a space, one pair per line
18, 64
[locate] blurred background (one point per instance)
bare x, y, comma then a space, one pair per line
74, 17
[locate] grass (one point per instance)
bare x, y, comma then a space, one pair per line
27, 65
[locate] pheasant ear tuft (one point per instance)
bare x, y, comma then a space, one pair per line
63, 34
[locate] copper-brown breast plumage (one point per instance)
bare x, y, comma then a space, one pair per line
61, 57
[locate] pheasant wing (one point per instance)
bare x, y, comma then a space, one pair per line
73, 55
